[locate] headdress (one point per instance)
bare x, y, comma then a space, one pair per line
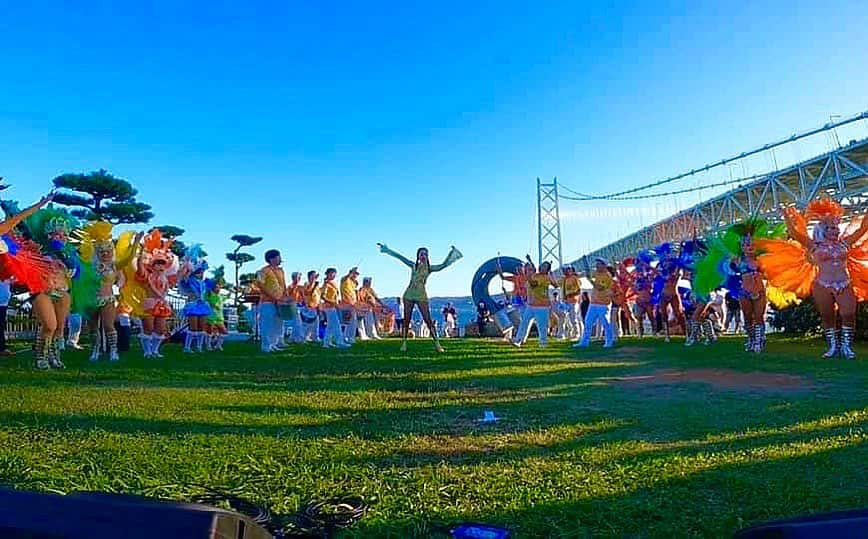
196, 258
157, 249
40, 226
96, 238
825, 210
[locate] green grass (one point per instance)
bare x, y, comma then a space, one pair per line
577, 453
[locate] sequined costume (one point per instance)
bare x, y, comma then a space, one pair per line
155, 272
108, 261
830, 265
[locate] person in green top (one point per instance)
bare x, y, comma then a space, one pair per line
416, 295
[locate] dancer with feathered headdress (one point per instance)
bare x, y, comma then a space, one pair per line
156, 271
109, 261
51, 228
191, 283
215, 323
20, 259
829, 265
644, 276
732, 262
695, 303
665, 293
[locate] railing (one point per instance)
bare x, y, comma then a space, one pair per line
20, 326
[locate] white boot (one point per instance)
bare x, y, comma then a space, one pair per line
831, 338
145, 340
691, 333
94, 354
846, 341
156, 341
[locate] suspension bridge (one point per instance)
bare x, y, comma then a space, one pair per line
840, 173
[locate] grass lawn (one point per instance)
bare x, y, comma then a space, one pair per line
649, 439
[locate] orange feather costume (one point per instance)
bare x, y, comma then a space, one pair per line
789, 265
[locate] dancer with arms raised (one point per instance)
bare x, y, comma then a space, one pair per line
416, 294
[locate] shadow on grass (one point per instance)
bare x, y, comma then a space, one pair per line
710, 502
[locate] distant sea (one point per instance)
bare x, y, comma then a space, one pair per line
464, 305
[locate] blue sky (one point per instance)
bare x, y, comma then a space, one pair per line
327, 127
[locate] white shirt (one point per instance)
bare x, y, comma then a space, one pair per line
400, 310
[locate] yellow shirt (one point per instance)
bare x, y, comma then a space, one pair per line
603, 288
330, 294
271, 281
367, 298
572, 288
312, 294
349, 296
538, 289
295, 293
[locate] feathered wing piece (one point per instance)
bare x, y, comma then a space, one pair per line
787, 266
709, 270
126, 250
20, 260
786, 263
781, 299
84, 289
691, 252
132, 291
857, 267
645, 256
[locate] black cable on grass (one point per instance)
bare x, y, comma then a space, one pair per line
315, 519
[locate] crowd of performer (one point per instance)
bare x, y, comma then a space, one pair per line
82, 268
70, 268
742, 270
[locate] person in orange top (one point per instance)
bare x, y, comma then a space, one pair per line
331, 298
295, 295
310, 312
539, 306
271, 284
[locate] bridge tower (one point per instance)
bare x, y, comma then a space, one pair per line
549, 223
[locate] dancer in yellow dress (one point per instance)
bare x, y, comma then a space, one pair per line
416, 294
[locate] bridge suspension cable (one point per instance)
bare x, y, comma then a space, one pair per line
615, 196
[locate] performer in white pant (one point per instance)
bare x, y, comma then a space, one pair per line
295, 294
597, 313
271, 283
532, 313
572, 287
369, 303
539, 306
310, 312
349, 298
330, 299
598, 310
270, 326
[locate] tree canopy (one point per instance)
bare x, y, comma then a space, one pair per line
99, 195
244, 240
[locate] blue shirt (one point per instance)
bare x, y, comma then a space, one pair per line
5, 293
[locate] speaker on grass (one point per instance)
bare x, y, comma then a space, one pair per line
840, 525
93, 515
